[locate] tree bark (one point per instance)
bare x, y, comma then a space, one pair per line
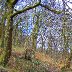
7, 52
35, 33
3, 32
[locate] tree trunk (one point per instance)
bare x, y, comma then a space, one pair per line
68, 61
35, 33
7, 52
3, 35
3, 29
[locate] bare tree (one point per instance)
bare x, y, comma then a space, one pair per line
4, 58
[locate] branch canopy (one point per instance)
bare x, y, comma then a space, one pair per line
50, 9
36, 5
27, 8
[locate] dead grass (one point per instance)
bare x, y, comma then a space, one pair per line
46, 58
16, 65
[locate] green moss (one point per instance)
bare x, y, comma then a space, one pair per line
2, 57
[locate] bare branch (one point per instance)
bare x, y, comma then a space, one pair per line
37, 4
52, 10
27, 8
15, 1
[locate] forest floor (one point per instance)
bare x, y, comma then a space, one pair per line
42, 63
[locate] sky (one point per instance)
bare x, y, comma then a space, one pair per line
22, 4
18, 7
69, 4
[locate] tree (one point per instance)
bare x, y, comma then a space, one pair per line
66, 36
4, 58
35, 32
